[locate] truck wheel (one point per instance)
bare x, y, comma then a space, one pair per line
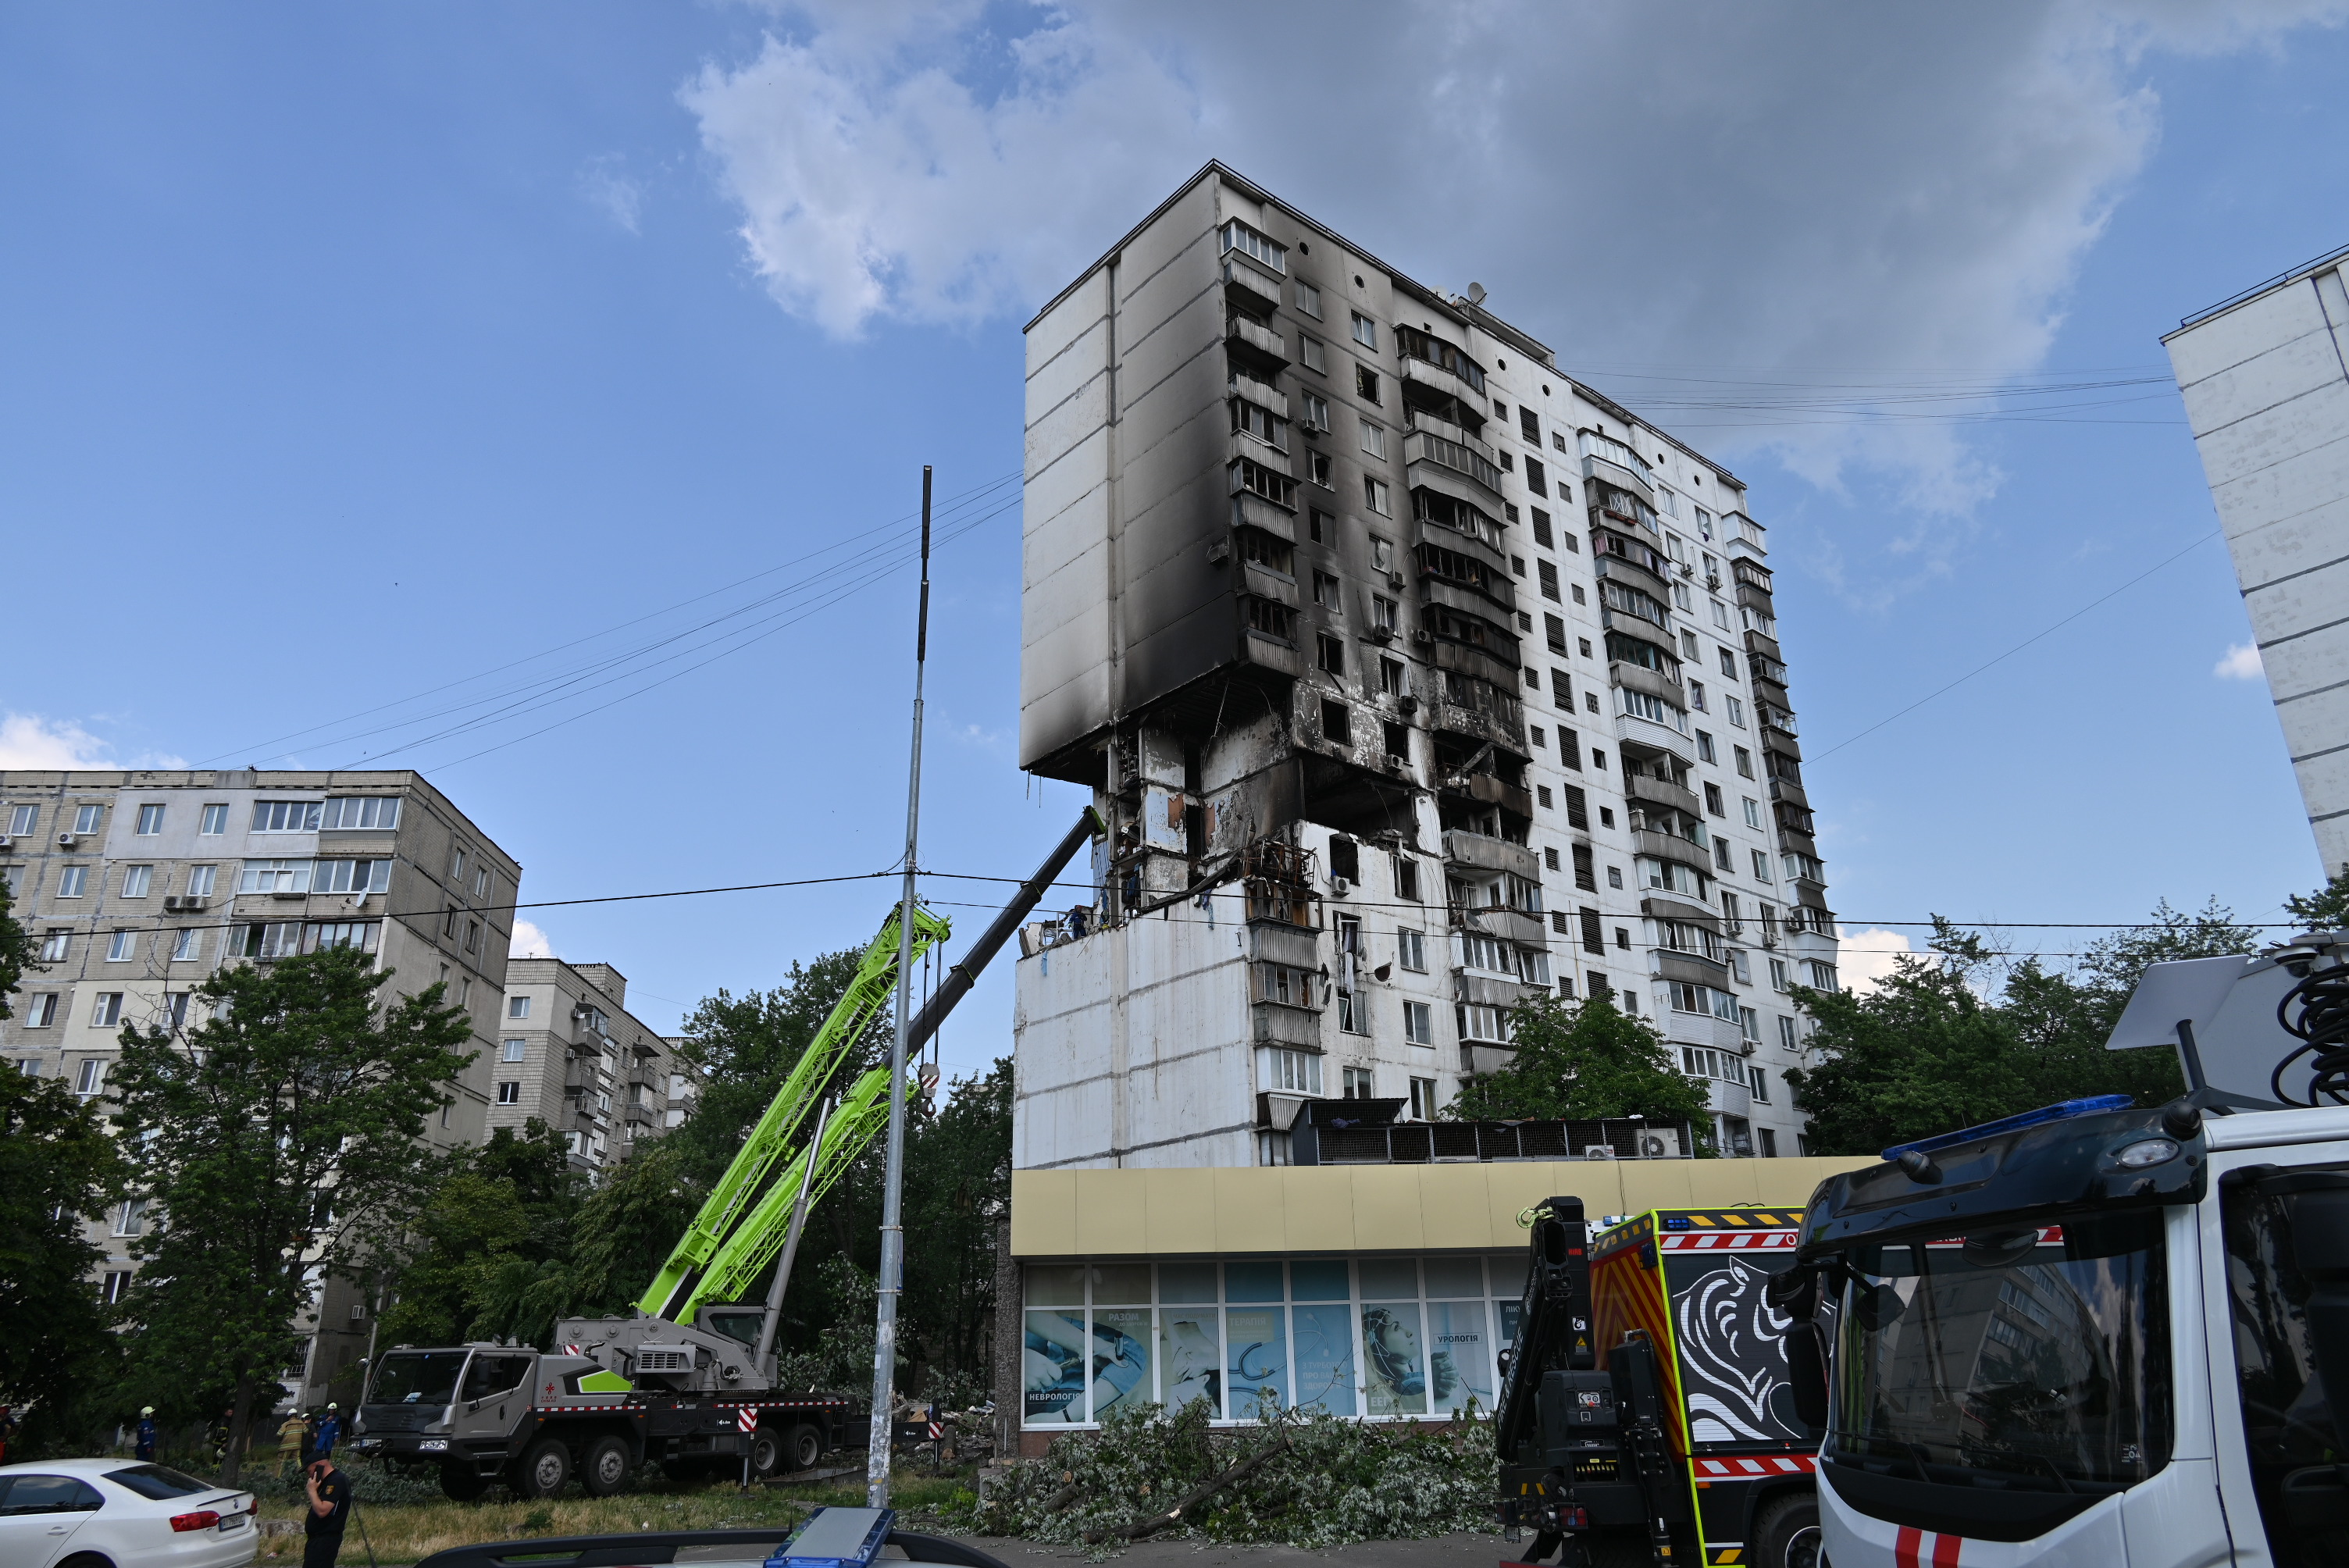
1787, 1534
462, 1482
766, 1453
802, 1446
607, 1468
545, 1469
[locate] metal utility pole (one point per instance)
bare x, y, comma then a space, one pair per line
893, 1230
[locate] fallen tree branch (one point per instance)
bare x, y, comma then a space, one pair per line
1208, 1488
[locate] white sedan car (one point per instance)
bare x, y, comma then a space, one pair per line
122, 1513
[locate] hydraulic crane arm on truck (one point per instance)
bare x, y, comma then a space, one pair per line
690, 1379
2099, 1334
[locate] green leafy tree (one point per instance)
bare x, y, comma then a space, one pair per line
1585, 1061
745, 1047
58, 1166
512, 1200
1930, 1049
2326, 909
278, 1142
957, 1172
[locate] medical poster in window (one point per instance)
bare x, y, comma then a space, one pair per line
1325, 1358
1190, 1357
1055, 1367
1395, 1360
1258, 1365
1459, 1355
1121, 1359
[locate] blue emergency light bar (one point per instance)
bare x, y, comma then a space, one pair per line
2066, 1111
836, 1538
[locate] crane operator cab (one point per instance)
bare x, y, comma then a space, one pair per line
2098, 1333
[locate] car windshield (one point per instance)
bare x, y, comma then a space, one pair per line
417, 1378
158, 1483
2024, 1360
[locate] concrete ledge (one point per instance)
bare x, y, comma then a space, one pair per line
1291, 1210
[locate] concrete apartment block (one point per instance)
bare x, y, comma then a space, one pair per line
1412, 676
2265, 376
139, 884
571, 1055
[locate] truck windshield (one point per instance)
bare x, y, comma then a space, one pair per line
417, 1378
2021, 1360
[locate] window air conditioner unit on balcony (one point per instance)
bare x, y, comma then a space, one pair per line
1341, 886
7, 842
1422, 634
1599, 1152
66, 840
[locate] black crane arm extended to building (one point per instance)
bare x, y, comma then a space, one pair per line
963, 973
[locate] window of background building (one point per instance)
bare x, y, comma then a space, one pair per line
41, 1011
1366, 331
513, 1050
55, 945
1313, 353
88, 817
213, 822
1419, 1023
1422, 1097
517, 1006
509, 1093
72, 881
150, 820
136, 879
122, 947
22, 820
1411, 950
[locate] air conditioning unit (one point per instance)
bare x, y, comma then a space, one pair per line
1408, 703
1341, 886
1422, 634
66, 840
1396, 765
1599, 1152
1381, 634
7, 842
1686, 570
1713, 583
171, 901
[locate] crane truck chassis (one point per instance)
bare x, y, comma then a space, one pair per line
2099, 1334
688, 1382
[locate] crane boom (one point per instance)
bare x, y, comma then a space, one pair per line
867, 994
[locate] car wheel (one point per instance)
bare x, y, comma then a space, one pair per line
1787, 1534
86, 1560
803, 1446
462, 1482
544, 1471
607, 1468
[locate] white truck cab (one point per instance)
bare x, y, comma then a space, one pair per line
2097, 1334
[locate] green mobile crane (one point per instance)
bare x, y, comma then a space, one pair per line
688, 1381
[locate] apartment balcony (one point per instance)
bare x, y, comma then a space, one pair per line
641, 1076
1646, 739
1414, 371
1486, 990
1435, 425
1676, 964
1490, 854
1781, 741
1465, 658
1790, 792
1760, 645
640, 1115
1740, 548
1444, 537
1503, 924
1622, 569
1263, 583
1272, 1023
1757, 599
1478, 725
1250, 510
1243, 284
1497, 605
1608, 471
1263, 394
1657, 792
1451, 468
1261, 343
1672, 847
1766, 690
1490, 791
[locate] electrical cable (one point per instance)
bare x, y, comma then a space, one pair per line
2018, 647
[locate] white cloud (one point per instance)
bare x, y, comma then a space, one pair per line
1696, 190
29, 740
530, 942
609, 189
2240, 663
1865, 957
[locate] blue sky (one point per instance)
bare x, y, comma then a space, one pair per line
353, 353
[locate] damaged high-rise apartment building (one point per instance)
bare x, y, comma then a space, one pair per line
1412, 676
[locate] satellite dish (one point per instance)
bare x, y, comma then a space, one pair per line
1475, 294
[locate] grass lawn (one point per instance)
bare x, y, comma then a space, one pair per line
409, 1532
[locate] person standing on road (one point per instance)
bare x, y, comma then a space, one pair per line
329, 1492
292, 1438
329, 1431
149, 1434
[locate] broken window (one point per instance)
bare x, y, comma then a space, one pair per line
1345, 858
1398, 739
1391, 677
1366, 384
1406, 883
1332, 653
1272, 619
1325, 592
1264, 549
1337, 724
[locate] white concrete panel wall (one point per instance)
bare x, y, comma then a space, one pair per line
2266, 387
